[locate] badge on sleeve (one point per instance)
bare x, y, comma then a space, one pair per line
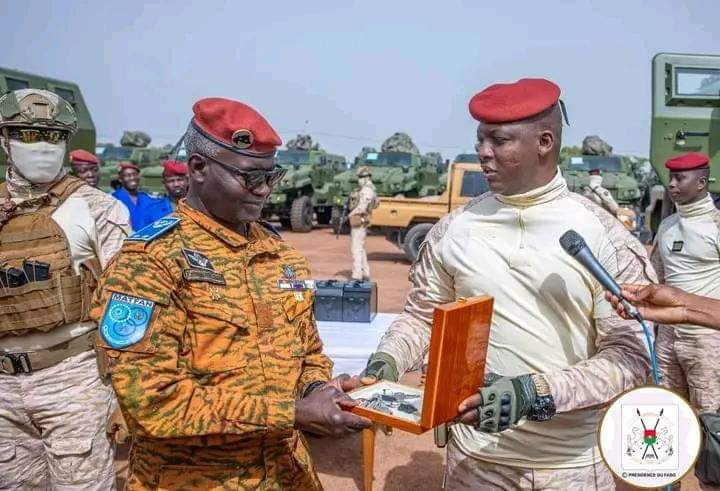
677, 246
125, 320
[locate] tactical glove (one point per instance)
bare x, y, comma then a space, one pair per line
504, 401
381, 366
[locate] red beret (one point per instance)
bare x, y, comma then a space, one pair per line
688, 161
503, 103
174, 168
83, 157
127, 165
235, 126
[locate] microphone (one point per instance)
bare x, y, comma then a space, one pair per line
573, 243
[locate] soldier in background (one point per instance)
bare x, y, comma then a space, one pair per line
208, 322
85, 166
56, 233
686, 255
596, 193
175, 180
363, 200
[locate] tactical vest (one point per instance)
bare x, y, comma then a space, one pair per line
62, 299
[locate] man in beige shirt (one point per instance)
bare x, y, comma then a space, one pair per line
362, 202
56, 235
557, 351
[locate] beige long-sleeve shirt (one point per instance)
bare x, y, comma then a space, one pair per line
550, 314
687, 252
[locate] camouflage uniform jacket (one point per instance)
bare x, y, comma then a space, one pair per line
209, 391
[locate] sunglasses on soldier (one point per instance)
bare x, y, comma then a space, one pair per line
252, 179
35, 135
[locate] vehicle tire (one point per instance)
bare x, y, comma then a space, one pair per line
301, 214
335, 219
414, 239
285, 223
324, 217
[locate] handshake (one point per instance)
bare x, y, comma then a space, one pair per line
497, 406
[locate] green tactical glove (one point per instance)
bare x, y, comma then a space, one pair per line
503, 401
381, 366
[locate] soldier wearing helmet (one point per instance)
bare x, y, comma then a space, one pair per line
56, 235
362, 201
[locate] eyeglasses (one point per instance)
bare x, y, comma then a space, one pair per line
35, 135
253, 179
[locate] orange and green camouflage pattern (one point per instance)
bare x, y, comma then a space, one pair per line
209, 391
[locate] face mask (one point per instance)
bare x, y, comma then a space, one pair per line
40, 162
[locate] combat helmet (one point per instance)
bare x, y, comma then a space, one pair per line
363, 171
36, 109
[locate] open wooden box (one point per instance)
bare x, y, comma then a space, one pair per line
456, 368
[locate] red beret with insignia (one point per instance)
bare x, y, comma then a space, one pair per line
688, 161
235, 126
174, 168
504, 103
83, 157
127, 165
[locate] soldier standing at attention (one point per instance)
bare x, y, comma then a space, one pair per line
686, 255
557, 351
363, 200
56, 233
85, 166
208, 324
596, 193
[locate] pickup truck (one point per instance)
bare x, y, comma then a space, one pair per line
406, 221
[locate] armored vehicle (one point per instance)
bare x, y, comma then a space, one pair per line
685, 118
617, 176
84, 137
306, 189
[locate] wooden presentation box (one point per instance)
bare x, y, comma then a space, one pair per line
456, 368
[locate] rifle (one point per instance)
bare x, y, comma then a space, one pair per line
343, 216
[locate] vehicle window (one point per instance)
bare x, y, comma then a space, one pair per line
697, 81
291, 157
66, 94
388, 159
473, 184
116, 153
467, 158
16, 83
588, 162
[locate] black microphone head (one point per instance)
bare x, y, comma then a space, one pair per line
572, 242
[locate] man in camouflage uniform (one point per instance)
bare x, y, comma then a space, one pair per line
56, 233
686, 255
596, 193
363, 200
557, 350
207, 320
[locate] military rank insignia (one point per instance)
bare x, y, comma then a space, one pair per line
197, 259
296, 285
125, 320
677, 246
155, 229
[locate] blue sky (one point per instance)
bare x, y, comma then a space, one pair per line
352, 73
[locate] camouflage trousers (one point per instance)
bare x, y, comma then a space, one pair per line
360, 267
465, 472
52, 428
689, 365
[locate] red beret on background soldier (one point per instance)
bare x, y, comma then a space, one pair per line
207, 317
56, 235
85, 166
557, 349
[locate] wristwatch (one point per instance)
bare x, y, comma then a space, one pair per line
543, 408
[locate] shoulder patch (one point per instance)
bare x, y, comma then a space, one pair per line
270, 228
125, 320
155, 229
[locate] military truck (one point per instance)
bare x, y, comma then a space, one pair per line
84, 137
306, 189
685, 118
406, 221
617, 174
398, 170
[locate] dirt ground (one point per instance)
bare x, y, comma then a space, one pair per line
402, 461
